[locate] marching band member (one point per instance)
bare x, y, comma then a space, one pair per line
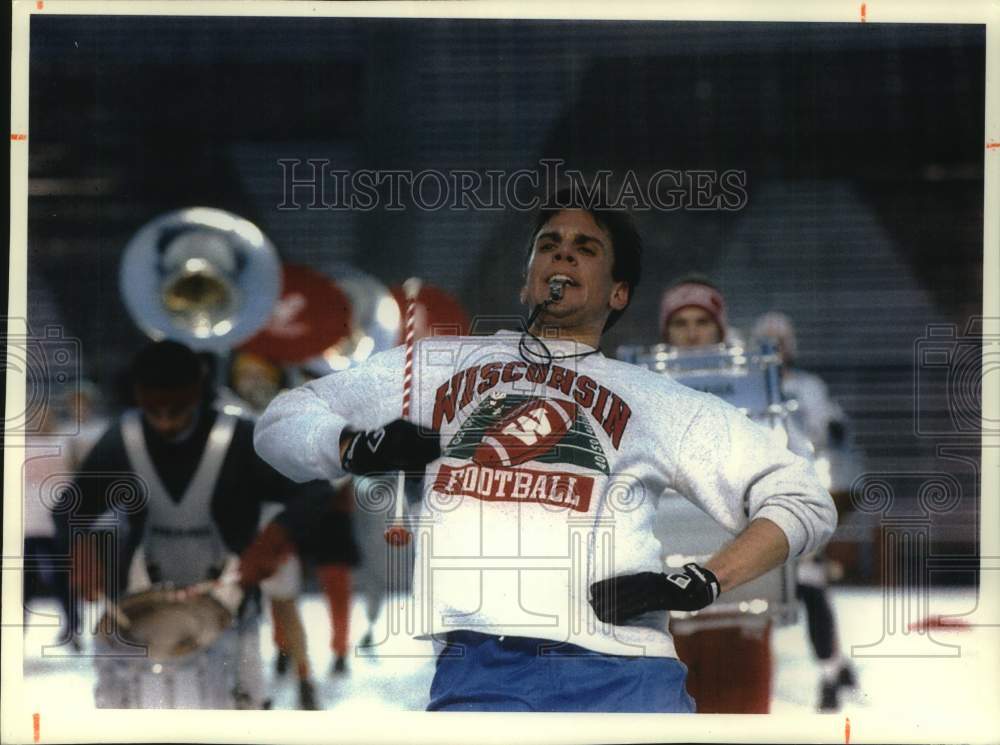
693, 314
315, 526
55, 449
203, 485
46, 459
729, 667
271, 561
825, 423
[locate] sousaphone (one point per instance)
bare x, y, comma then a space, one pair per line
201, 276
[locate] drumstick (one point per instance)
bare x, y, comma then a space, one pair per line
397, 534
113, 608
226, 579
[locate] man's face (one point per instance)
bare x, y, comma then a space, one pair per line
572, 246
692, 327
170, 412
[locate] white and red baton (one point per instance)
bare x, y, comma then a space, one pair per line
397, 534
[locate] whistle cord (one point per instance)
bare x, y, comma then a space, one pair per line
535, 357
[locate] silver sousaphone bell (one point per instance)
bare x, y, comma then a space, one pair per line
202, 276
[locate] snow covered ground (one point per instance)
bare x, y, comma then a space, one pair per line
398, 676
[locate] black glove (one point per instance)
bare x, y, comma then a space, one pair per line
398, 446
619, 599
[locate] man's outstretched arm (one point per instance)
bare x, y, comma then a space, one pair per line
299, 433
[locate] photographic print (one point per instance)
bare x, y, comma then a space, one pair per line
368, 362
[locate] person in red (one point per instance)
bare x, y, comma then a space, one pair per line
326, 534
272, 562
729, 667
316, 526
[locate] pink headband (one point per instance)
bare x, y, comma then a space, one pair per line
698, 295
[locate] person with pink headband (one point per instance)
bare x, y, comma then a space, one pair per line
730, 666
825, 424
693, 314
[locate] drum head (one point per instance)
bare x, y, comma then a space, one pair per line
749, 380
170, 628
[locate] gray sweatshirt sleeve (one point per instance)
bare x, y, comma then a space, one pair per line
299, 432
738, 471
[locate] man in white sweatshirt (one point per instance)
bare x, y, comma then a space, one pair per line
543, 462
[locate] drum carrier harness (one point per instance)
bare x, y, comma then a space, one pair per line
182, 543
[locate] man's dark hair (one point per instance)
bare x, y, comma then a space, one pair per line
626, 245
167, 365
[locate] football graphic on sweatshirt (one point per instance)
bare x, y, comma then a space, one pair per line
509, 430
531, 429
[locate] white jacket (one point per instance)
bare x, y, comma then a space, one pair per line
510, 548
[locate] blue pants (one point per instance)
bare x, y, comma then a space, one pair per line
479, 672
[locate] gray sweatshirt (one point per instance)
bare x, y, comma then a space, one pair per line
549, 478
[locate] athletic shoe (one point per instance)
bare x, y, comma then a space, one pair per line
366, 640
307, 696
847, 678
829, 700
339, 666
281, 663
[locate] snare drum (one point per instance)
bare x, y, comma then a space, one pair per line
178, 653
750, 381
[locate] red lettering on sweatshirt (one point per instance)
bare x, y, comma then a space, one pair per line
570, 490
608, 408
